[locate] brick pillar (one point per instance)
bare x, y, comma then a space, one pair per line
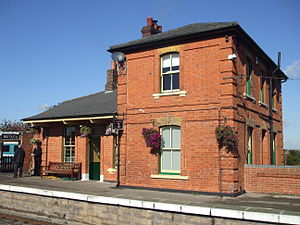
82, 155
111, 80
28, 147
229, 173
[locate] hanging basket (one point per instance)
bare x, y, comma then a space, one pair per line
227, 138
85, 131
152, 139
35, 141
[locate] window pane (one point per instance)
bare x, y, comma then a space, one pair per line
166, 63
175, 60
67, 141
166, 82
249, 158
166, 69
176, 160
73, 140
175, 137
166, 138
248, 67
5, 148
174, 68
175, 78
70, 131
166, 160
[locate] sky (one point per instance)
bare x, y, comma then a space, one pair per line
55, 50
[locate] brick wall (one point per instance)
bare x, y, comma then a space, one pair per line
215, 88
28, 147
52, 149
108, 166
272, 179
251, 113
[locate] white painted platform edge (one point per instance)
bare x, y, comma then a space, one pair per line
199, 210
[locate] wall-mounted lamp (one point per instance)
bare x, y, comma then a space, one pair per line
232, 57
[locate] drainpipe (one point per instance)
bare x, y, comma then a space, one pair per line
271, 117
219, 157
47, 139
118, 168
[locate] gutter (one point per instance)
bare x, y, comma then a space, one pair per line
68, 119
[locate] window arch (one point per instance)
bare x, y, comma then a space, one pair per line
170, 71
170, 150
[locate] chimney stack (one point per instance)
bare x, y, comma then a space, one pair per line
111, 78
151, 28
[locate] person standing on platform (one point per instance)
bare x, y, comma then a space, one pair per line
18, 161
37, 153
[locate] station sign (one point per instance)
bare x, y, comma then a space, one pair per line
10, 137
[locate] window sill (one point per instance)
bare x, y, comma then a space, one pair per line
248, 97
263, 104
158, 95
274, 110
169, 177
111, 170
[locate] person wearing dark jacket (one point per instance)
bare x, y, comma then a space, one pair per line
37, 153
19, 161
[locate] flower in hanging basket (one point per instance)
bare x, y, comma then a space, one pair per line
85, 131
152, 139
226, 137
35, 141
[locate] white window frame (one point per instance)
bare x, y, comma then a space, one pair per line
162, 171
169, 72
70, 147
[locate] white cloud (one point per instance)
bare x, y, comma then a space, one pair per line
293, 70
43, 107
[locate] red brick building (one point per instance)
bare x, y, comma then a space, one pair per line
63, 141
184, 83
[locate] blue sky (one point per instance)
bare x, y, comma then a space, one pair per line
55, 50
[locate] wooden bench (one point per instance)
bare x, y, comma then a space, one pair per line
64, 168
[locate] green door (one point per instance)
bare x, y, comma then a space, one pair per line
94, 171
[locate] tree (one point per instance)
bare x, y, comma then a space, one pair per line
8, 125
293, 157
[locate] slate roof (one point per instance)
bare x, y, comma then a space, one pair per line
192, 29
189, 31
98, 104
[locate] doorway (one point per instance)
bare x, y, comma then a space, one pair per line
94, 170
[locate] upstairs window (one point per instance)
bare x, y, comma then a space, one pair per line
170, 72
262, 87
248, 76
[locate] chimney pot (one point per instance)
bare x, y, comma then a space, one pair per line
151, 28
149, 21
